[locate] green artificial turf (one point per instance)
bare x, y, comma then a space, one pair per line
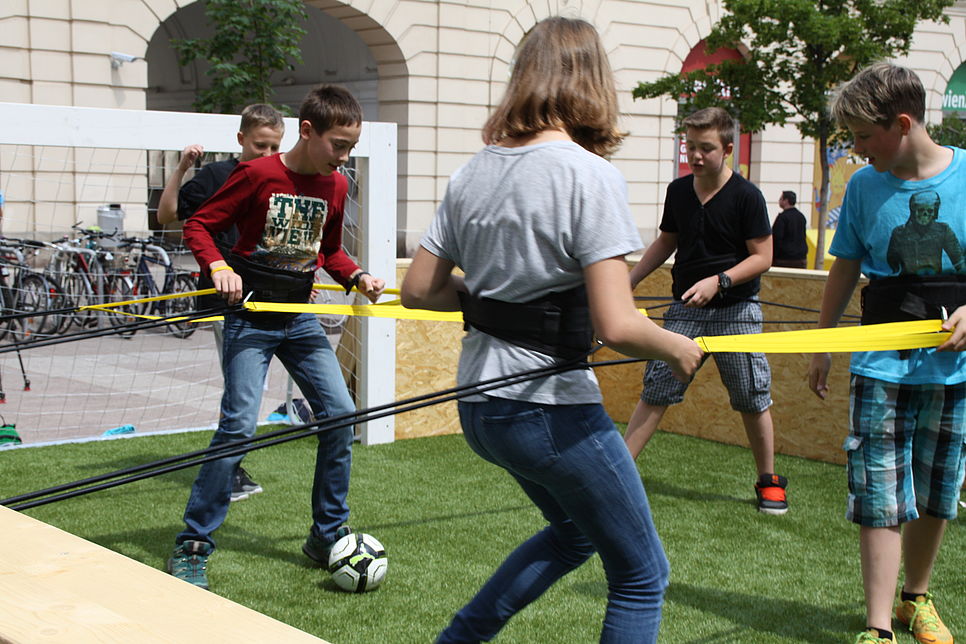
447, 520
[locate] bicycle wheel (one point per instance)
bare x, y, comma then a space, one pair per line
59, 300
183, 283
5, 323
32, 296
120, 288
79, 292
332, 322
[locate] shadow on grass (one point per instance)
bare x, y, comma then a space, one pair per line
184, 477
444, 518
760, 617
289, 549
656, 487
756, 618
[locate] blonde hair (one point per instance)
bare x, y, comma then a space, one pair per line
878, 94
259, 115
561, 80
713, 118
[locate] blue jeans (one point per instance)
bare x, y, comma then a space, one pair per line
571, 461
248, 347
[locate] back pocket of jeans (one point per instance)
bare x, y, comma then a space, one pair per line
521, 440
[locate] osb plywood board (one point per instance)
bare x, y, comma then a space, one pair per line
426, 357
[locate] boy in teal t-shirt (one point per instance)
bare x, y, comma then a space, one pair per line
902, 226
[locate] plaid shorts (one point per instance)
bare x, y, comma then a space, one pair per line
905, 451
747, 376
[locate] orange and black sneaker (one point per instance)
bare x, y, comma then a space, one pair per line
923, 621
770, 489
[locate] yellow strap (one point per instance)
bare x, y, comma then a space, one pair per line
156, 298
206, 291
336, 287
891, 336
873, 337
362, 310
392, 309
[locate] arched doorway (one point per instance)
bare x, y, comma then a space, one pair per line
331, 53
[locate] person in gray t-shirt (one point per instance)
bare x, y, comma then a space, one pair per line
539, 214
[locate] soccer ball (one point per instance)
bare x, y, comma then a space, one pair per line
358, 562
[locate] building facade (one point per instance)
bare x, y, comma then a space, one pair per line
433, 67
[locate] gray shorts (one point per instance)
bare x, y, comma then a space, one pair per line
747, 376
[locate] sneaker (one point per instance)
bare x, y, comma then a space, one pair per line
242, 485
318, 550
770, 490
190, 562
923, 620
871, 636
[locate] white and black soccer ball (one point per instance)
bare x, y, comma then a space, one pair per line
358, 562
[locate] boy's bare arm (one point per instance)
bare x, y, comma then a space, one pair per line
757, 262
842, 279
168, 204
655, 255
621, 326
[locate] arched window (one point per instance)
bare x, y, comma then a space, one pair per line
699, 58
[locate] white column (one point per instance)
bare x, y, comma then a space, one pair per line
377, 362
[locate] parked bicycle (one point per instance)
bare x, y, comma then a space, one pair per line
82, 267
24, 290
152, 255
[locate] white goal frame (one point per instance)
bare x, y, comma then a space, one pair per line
84, 127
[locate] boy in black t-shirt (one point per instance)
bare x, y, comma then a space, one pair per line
260, 135
717, 223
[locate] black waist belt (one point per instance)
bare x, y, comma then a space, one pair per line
272, 284
912, 297
557, 324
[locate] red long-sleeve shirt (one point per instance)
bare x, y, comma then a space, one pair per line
285, 219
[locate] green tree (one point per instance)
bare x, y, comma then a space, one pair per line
252, 39
952, 131
797, 51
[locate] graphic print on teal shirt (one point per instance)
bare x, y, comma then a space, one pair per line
917, 246
293, 228
906, 227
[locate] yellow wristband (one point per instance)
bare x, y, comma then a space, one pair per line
221, 268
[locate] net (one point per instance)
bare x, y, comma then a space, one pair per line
107, 171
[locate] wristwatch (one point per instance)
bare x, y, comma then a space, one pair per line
724, 281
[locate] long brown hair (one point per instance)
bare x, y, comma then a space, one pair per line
561, 80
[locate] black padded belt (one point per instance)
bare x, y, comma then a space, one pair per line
557, 324
912, 297
273, 284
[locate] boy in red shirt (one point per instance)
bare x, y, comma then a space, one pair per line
288, 209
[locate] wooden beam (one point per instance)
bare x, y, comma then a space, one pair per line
55, 587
